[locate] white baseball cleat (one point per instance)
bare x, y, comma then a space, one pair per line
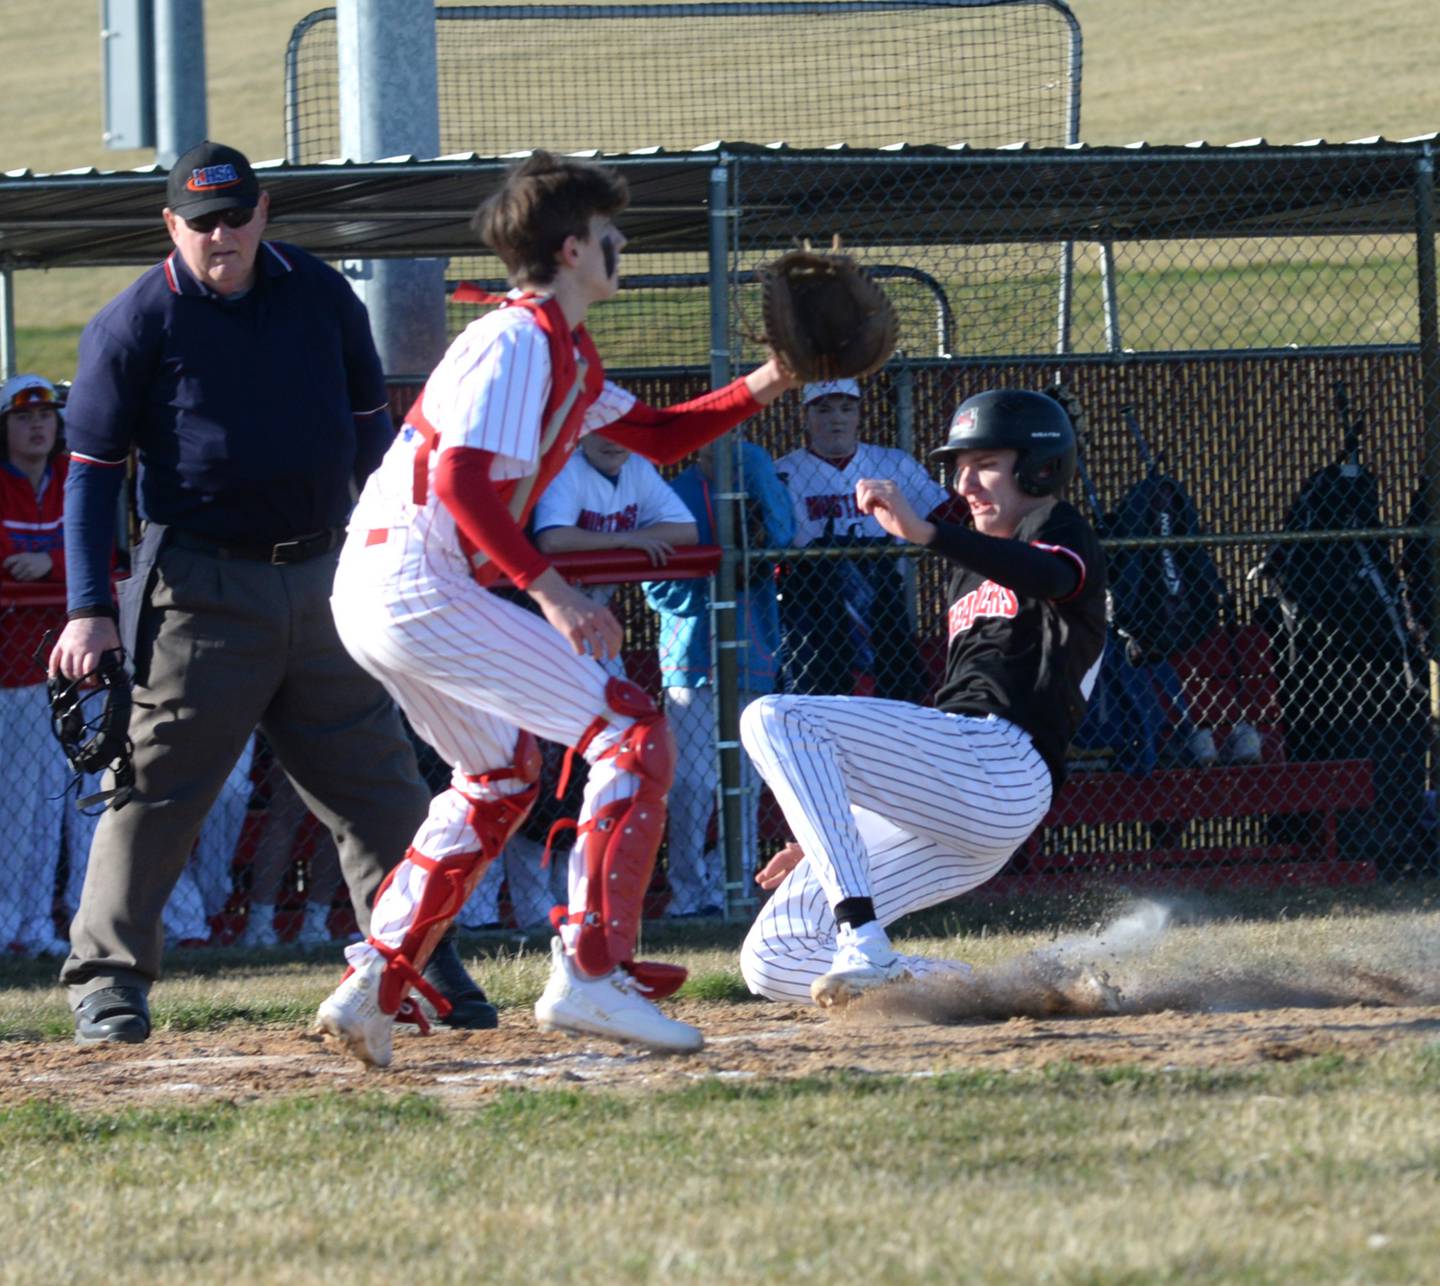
927, 969
352, 1016
864, 959
1091, 991
607, 1006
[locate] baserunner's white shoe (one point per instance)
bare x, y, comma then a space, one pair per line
864, 959
1091, 992
352, 1016
608, 1006
928, 969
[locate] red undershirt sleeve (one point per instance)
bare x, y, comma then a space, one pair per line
668, 435
464, 486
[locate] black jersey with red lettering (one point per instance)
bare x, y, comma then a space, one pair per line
1030, 660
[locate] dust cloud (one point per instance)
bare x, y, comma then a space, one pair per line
1158, 956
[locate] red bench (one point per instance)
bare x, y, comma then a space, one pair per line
1228, 679
1168, 800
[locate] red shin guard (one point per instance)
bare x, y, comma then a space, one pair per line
450, 880
622, 838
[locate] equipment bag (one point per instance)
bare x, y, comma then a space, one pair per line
1163, 600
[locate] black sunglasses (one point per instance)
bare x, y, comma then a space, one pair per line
235, 217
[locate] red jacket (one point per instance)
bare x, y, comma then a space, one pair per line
30, 524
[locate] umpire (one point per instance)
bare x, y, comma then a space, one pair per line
244, 374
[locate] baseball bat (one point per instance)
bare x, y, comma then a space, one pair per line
1147, 457
1350, 426
1082, 445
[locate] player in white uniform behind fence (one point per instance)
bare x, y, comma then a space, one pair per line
840, 616
480, 678
893, 806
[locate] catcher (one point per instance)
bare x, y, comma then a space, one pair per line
442, 520
894, 806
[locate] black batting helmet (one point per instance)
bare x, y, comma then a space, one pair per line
1017, 420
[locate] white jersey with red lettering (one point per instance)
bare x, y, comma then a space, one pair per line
581, 496
824, 495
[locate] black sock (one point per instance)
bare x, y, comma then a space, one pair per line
855, 911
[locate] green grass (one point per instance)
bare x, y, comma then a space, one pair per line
211, 990
1322, 1170
1206, 302
1284, 933
1168, 71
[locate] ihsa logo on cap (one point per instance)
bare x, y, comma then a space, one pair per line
209, 177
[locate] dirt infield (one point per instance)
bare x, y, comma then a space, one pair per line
745, 1042
1203, 996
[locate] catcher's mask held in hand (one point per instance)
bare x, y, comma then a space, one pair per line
825, 317
92, 725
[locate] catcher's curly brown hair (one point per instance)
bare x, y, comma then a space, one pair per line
545, 198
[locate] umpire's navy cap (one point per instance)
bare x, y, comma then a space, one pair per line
210, 177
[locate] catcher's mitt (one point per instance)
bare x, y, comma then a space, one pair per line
825, 319
92, 725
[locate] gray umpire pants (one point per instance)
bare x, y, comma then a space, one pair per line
221, 646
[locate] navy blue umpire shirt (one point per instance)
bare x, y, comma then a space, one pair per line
257, 419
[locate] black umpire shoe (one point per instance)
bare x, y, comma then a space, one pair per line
113, 1016
470, 1010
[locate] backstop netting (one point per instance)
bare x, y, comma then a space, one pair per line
621, 77
865, 73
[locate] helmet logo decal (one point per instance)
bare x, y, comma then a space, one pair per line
964, 421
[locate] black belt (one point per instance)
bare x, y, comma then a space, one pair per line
287, 551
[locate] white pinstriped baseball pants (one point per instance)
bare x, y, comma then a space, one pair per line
469, 670
904, 804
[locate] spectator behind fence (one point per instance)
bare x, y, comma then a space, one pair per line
608, 498
697, 875
244, 373
285, 814
839, 616
31, 551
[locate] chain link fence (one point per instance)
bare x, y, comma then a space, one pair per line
1256, 458
678, 77
858, 73
1253, 334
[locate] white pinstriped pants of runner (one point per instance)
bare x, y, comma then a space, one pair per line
903, 804
469, 670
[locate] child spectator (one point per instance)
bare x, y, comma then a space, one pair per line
32, 551
843, 616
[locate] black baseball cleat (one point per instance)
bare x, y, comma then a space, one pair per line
470, 1009
113, 1016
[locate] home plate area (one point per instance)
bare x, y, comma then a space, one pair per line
900, 1034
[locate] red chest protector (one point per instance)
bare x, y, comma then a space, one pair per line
576, 380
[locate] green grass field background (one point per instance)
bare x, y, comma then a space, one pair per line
1165, 71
